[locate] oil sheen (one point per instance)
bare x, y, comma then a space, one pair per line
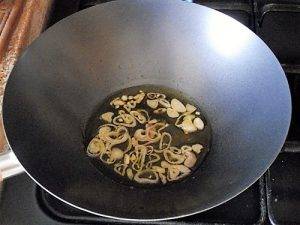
179, 137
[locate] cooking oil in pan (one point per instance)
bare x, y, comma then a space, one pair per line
148, 135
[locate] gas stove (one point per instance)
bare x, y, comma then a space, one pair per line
273, 199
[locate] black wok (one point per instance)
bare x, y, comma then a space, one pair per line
63, 77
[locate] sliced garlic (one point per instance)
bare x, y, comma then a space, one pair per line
133, 158
164, 164
153, 121
177, 105
160, 110
138, 116
151, 95
128, 109
164, 102
120, 168
118, 102
140, 135
116, 154
191, 159
179, 120
114, 100
131, 104
175, 150
188, 127
172, 113
173, 158
103, 131
126, 159
158, 169
146, 177
198, 123
124, 98
176, 172
144, 113
159, 95
190, 108
152, 103
189, 117
107, 116
197, 148
138, 159
153, 158
185, 148
129, 173
139, 97
134, 142
150, 149
121, 112
95, 148
173, 173
162, 178
126, 120
165, 141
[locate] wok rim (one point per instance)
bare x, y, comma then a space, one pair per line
225, 199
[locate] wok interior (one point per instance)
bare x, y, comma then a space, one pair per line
75, 65
179, 138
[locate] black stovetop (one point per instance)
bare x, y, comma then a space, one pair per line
273, 199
